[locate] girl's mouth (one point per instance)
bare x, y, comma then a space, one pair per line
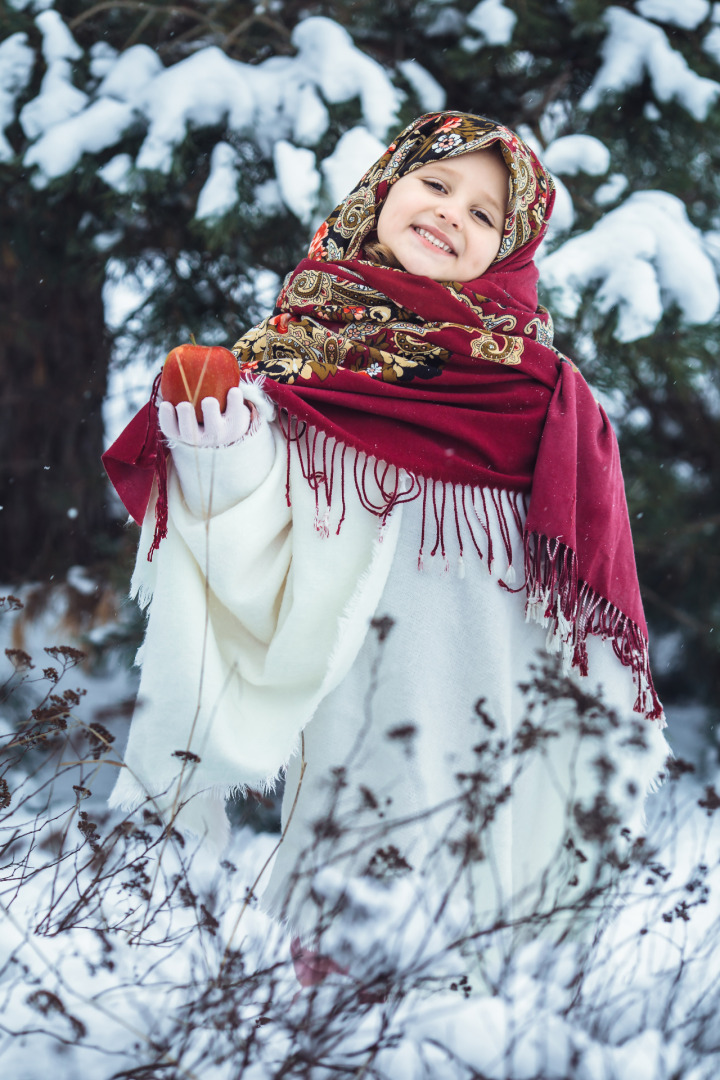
433, 240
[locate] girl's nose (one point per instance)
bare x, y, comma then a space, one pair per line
449, 214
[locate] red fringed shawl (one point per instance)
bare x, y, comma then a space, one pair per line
458, 385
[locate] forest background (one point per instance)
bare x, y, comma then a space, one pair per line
163, 165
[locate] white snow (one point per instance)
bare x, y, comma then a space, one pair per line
471, 44
58, 42
34, 5
493, 20
563, 215
102, 59
297, 177
556, 116
207, 88
354, 153
572, 154
80, 579
61, 147
641, 256
268, 197
447, 21
131, 71
639, 1003
105, 241
611, 190
281, 98
711, 241
17, 60
57, 101
116, 172
429, 92
711, 44
634, 48
219, 193
685, 13
311, 116
341, 72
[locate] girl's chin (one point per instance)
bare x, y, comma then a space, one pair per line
437, 268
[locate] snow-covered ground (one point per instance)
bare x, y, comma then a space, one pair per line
125, 952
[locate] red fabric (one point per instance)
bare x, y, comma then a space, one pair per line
312, 968
131, 460
479, 422
457, 383
578, 496
532, 427
135, 461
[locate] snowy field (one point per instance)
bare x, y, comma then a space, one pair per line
126, 952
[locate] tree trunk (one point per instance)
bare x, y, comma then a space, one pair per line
54, 353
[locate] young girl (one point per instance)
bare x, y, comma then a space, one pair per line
410, 497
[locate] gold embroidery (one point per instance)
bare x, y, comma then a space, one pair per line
500, 349
309, 287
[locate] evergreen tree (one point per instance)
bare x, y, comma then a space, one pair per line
551, 68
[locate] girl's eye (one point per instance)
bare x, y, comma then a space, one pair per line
480, 215
435, 185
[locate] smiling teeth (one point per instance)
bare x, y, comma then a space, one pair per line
434, 240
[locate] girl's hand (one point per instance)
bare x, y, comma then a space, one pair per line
178, 423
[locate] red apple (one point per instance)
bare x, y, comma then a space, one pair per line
194, 372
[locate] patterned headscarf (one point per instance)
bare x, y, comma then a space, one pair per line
395, 326
437, 137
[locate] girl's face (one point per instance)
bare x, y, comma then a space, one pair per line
445, 220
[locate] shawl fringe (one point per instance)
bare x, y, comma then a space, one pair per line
571, 610
556, 597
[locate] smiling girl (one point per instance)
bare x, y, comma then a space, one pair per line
410, 497
445, 220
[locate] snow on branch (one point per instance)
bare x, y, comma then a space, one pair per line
634, 48
493, 21
644, 255
688, 15
219, 193
16, 66
573, 154
281, 101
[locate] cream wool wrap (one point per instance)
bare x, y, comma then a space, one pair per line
231, 677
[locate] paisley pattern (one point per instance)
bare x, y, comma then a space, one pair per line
327, 321
432, 138
329, 316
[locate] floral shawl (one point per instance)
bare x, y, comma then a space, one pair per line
457, 385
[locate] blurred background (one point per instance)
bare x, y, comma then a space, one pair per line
163, 165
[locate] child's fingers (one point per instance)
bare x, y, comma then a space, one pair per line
187, 423
167, 419
212, 422
178, 423
237, 414
225, 429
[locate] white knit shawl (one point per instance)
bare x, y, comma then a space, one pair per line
252, 621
